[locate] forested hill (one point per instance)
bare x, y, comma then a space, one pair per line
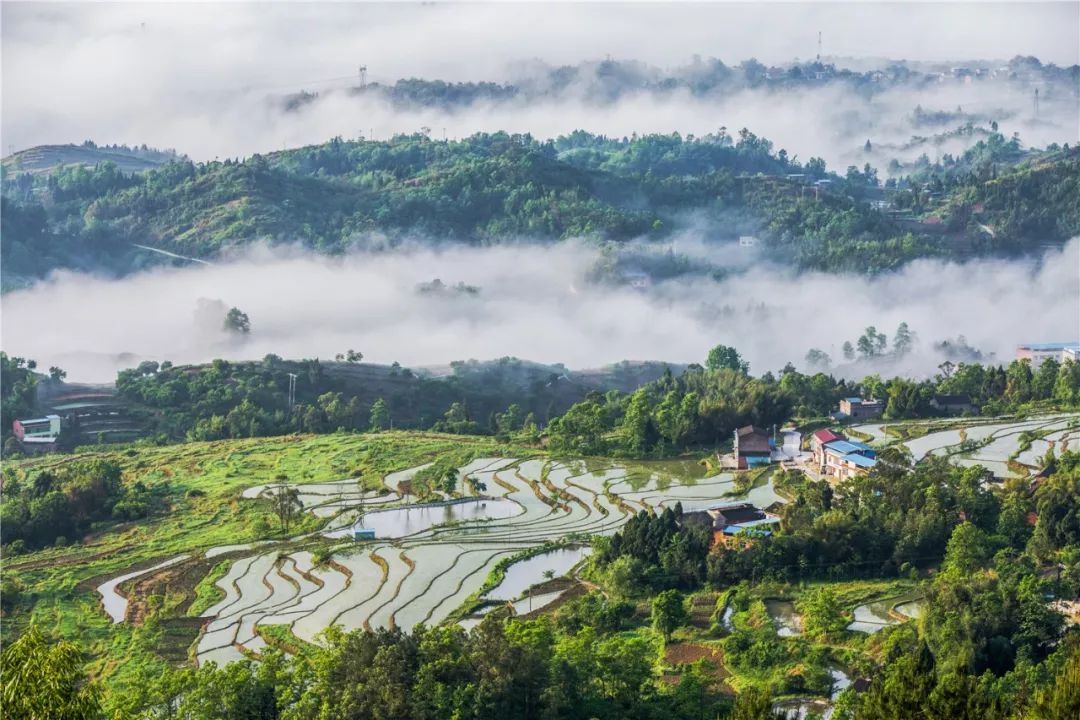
492, 187
47, 158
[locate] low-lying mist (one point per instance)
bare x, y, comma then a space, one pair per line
533, 302
210, 80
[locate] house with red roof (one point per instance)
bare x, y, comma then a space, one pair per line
819, 440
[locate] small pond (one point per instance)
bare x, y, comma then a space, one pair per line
800, 708
788, 622
400, 522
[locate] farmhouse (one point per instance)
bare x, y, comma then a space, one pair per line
857, 408
737, 523
819, 440
752, 446
38, 434
846, 458
953, 404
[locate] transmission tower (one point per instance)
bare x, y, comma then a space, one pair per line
363, 76
1036, 102
819, 46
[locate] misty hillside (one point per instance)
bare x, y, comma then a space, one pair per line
44, 159
490, 188
607, 81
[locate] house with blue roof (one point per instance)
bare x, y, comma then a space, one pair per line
846, 458
736, 524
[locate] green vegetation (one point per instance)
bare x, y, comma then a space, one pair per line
492, 186
1002, 656
225, 399
703, 406
18, 384
57, 508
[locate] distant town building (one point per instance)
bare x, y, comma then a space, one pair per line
38, 434
747, 241
752, 446
953, 404
1037, 352
858, 408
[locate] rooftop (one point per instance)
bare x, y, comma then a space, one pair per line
827, 436
1050, 346
847, 447
952, 399
860, 460
47, 418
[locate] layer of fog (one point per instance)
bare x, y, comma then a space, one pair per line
202, 79
535, 303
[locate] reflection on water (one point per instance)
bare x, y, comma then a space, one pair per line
787, 621
524, 574
400, 522
532, 603
873, 616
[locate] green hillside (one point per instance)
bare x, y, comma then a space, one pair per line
493, 187
44, 159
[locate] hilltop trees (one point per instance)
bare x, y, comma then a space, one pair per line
723, 356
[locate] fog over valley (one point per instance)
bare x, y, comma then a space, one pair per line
537, 303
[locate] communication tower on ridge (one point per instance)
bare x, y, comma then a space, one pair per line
363, 76
818, 46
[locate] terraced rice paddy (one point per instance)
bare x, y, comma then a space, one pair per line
116, 604
428, 560
998, 443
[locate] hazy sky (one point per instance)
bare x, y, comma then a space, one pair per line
196, 75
